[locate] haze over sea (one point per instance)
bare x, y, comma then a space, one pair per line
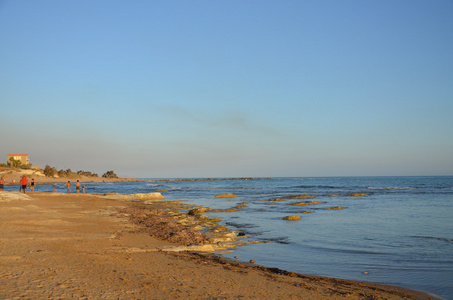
400, 232
229, 88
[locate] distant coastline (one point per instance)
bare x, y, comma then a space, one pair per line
13, 175
212, 179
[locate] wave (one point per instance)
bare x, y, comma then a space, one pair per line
393, 188
432, 238
340, 249
242, 225
317, 187
279, 240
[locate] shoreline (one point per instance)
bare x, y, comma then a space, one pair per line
41, 231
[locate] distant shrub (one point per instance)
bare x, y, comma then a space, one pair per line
50, 171
109, 174
87, 173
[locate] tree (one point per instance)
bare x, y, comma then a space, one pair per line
14, 162
109, 174
49, 171
86, 173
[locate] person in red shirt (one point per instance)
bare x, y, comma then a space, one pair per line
23, 182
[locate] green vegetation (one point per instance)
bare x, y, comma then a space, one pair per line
65, 173
52, 172
87, 173
15, 163
109, 174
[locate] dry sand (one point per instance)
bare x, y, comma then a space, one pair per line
61, 246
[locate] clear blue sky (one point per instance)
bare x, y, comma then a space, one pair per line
229, 88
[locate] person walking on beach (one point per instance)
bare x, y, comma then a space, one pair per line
83, 189
32, 185
77, 187
68, 184
54, 189
2, 184
23, 182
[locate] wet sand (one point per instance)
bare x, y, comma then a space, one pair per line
69, 246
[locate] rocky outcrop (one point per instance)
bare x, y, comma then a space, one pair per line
194, 248
191, 229
10, 196
200, 210
284, 198
306, 203
157, 222
220, 246
227, 195
139, 196
304, 196
292, 218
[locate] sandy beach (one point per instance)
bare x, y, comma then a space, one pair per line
66, 246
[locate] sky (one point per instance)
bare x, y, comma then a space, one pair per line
257, 88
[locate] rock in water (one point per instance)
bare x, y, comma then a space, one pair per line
139, 196
292, 218
228, 195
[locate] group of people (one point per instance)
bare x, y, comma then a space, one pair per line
24, 183
22, 186
68, 185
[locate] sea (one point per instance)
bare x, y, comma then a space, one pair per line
390, 230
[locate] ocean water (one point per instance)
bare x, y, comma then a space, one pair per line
400, 233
